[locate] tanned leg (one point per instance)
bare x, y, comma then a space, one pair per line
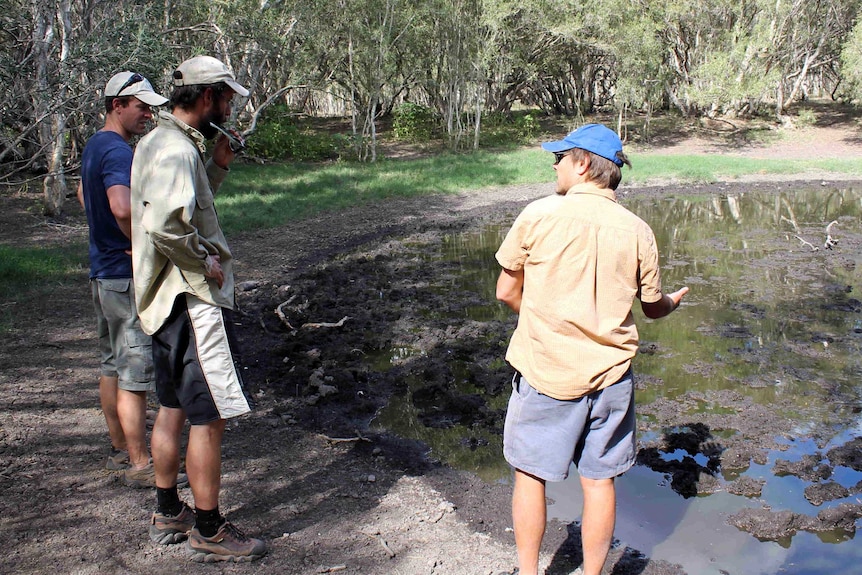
597, 527
203, 462
132, 411
165, 444
529, 515
108, 399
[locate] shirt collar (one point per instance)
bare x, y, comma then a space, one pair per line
192, 133
591, 188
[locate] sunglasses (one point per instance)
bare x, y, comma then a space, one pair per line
558, 156
133, 79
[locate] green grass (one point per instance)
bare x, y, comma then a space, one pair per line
30, 273
256, 197
704, 169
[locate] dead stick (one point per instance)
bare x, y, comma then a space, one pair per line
339, 323
812, 246
280, 313
385, 545
344, 439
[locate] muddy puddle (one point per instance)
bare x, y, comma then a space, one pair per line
749, 396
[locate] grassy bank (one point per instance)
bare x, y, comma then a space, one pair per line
255, 197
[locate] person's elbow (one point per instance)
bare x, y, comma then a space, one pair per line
658, 309
122, 212
507, 296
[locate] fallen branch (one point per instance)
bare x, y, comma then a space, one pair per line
280, 313
383, 542
812, 246
339, 323
332, 569
335, 440
830, 241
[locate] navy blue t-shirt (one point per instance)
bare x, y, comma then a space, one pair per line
106, 162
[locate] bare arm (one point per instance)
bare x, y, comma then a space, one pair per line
81, 195
510, 288
665, 305
120, 199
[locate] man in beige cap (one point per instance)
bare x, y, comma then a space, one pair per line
184, 288
126, 354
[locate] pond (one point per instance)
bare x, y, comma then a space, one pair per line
749, 396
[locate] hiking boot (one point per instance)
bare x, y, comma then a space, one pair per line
168, 529
146, 477
228, 544
117, 460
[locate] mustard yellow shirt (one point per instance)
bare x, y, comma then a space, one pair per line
585, 260
174, 222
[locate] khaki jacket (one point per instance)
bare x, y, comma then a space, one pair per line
174, 222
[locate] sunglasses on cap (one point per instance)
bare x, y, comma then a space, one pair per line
133, 79
558, 156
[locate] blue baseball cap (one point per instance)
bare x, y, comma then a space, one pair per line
594, 138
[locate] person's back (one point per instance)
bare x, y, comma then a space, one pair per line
575, 332
573, 264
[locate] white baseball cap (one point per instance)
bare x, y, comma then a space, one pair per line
133, 84
206, 70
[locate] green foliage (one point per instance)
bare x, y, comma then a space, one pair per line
413, 123
278, 137
805, 117
851, 63
513, 129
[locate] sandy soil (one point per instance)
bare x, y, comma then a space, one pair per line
303, 471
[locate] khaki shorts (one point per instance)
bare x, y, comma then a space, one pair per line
543, 435
196, 371
125, 351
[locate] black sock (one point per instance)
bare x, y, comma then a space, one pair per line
208, 521
168, 501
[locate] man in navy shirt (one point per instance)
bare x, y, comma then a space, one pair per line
126, 351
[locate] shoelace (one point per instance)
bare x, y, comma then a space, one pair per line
235, 531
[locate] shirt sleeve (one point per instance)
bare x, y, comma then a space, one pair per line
168, 210
117, 167
515, 248
649, 288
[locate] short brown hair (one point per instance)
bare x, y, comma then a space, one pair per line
109, 102
602, 172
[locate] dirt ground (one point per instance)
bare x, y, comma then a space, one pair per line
305, 471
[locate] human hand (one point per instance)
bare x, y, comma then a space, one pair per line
223, 155
214, 271
676, 296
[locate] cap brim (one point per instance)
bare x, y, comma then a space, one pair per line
237, 88
558, 146
151, 98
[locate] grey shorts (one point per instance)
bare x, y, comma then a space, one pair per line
196, 367
125, 351
543, 435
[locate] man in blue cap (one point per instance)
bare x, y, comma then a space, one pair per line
573, 264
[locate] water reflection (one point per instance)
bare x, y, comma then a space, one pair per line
773, 320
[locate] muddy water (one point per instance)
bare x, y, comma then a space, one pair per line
749, 396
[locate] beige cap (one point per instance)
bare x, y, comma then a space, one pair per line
205, 70
133, 84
